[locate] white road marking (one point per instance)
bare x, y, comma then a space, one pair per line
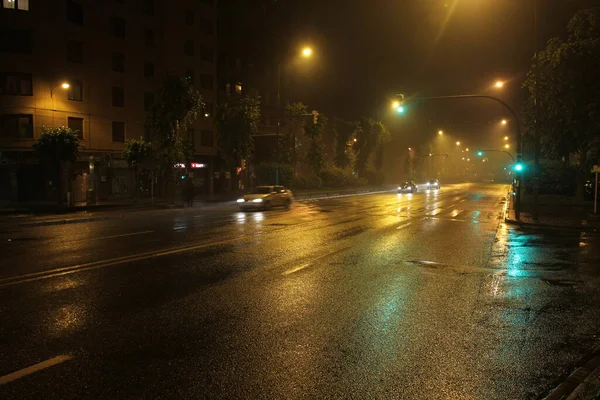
404, 226
34, 368
302, 266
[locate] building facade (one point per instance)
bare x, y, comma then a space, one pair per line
112, 55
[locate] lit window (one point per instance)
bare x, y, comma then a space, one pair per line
18, 4
238, 88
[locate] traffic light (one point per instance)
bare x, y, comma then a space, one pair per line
519, 167
398, 103
480, 153
315, 114
400, 110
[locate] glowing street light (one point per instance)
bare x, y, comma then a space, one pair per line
507, 146
64, 85
410, 149
504, 122
395, 104
440, 132
499, 84
505, 137
467, 149
307, 52
458, 143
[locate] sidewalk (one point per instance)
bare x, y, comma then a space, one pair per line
583, 383
555, 212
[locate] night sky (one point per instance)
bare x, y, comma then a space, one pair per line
369, 50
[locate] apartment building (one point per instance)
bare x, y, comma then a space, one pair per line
95, 66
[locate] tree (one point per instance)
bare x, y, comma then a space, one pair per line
177, 105
314, 132
343, 132
294, 113
366, 141
382, 136
54, 147
568, 110
236, 123
137, 152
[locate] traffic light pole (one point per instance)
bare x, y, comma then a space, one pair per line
517, 132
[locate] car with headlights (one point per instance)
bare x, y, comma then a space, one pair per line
407, 187
266, 197
432, 184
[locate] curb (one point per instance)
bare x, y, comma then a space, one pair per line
552, 226
568, 389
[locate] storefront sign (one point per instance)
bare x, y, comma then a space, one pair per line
198, 165
179, 165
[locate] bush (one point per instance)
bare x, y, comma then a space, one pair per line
311, 182
336, 178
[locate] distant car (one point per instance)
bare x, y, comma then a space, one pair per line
407, 187
433, 184
266, 197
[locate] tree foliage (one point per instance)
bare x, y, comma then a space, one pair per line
236, 122
177, 105
568, 110
289, 143
137, 152
56, 145
343, 132
314, 132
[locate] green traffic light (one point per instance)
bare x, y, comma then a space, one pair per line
400, 110
518, 167
480, 153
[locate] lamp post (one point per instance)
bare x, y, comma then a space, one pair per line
62, 85
306, 53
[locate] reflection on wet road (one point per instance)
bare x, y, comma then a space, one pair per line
417, 296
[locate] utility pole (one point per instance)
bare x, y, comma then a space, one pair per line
537, 134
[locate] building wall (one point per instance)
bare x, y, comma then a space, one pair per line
50, 63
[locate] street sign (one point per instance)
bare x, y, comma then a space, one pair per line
595, 169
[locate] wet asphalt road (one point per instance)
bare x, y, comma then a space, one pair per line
425, 296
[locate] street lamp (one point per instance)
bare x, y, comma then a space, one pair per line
467, 149
440, 132
499, 84
395, 104
458, 143
503, 122
507, 146
64, 85
306, 53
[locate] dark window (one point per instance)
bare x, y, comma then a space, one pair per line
148, 70
206, 81
118, 132
207, 53
74, 51
119, 28
189, 17
74, 12
149, 7
207, 26
17, 126
148, 101
16, 84
76, 124
118, 97
149, 37
189, 74
16, 4
191, 137
188, 47
75, 90
15, 41
209, 2
118, 62
207, 139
